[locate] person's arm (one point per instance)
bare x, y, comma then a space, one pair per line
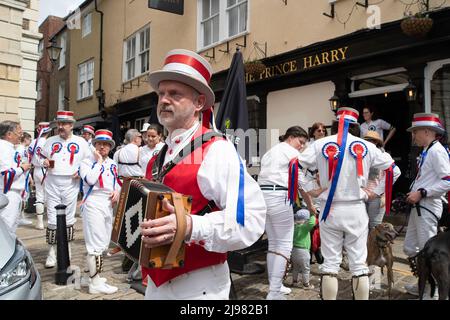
390, 135
89, 173
308, 201
387, 126
441, 167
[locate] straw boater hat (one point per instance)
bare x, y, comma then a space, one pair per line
189, 68
44, 127
64, 116
427, 120
89, 129
373, 136
104, 136
348, 113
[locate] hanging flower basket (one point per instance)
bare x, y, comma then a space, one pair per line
255, 68
416, 26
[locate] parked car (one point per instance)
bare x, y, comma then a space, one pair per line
19, 277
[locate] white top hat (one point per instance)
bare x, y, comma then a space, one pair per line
44, 127
89, 129
64, 116
427, 120
348, 113
104, 136
189, 68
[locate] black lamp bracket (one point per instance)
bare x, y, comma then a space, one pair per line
331, 14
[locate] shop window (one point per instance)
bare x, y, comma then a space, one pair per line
440, 95
139, 123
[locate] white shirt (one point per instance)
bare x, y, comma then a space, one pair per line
349, 186
213, 180
275, 165
90, 173
8, 162
35, 160
147, 154
19, 183
129, 154
62, 155
376, 125
435, 168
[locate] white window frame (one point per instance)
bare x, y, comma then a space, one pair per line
380, 90
139, 51
61, 95
85, 81
86, 27
62, 55
39, 90
431, 68
141, 122
223, 24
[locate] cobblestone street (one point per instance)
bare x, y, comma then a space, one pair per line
248, 287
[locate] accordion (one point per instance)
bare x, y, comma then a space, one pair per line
142, 199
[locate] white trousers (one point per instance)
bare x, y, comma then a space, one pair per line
210, 283
422, 228
97, 216
40, 191
11, 212
61, 190
346, 227
280, 234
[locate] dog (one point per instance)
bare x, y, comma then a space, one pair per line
379, 250
433, 264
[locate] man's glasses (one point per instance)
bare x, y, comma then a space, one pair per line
321, 130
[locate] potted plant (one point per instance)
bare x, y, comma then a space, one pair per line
255, 67
417, 26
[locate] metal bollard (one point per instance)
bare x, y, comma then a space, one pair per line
62, 247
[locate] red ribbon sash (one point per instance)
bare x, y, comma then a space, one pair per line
359, 151
73, 149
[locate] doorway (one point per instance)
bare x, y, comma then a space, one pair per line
393, 108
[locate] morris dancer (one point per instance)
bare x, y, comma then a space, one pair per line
431, 182
343, 161
214, 175
101, 193
62, 184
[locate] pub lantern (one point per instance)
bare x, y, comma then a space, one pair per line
334, 103
411, 92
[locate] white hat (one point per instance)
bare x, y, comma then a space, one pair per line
64, 116
427, 120
89, 129
348, 113
44, 127
145, 127
104, 136
189, 68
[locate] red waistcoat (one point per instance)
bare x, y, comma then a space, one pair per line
183, 179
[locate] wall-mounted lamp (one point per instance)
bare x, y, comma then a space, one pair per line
411, 92
334, 103
54, 51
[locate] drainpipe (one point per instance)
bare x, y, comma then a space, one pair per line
100, 94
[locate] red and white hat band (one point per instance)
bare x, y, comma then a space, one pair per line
425, 121
104, 135
348, 114
188, 65
64, 115
89, 129
44, 124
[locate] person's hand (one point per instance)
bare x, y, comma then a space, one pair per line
159, 232
75, 175
114, 197
25, 166
46, 163
98, 158
413, 197
370, 194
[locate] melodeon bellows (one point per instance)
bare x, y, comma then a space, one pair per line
142, 199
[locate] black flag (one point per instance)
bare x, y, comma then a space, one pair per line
233, 112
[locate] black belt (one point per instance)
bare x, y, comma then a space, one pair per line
272, 187
128, 164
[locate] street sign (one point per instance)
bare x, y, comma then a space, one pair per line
172, 6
